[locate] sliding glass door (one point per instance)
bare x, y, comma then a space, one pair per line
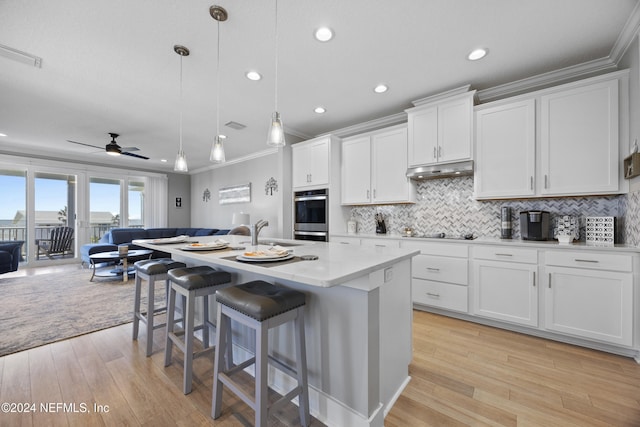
13, 209
55, 216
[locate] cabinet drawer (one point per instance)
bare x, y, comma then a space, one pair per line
588, 259
442, 295
345, 240
440, 269
432, 248
499, 253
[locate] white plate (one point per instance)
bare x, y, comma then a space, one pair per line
265, 258
166, 240
205, 247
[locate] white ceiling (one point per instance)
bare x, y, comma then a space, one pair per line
109, 66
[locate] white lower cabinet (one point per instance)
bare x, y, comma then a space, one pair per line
586, 297
506, 290
440, 275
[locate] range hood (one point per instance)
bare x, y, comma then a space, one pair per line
446, 170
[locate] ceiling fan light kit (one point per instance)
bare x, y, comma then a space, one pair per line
217, 148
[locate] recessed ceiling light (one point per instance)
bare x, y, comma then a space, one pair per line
163, 160
222, 136
381, 88
477, 54
253, 75
320, 110
323, 34
3, 134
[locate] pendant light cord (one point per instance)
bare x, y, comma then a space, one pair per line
276, 85
181, 103
218, 86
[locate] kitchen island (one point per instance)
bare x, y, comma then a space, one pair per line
357, 321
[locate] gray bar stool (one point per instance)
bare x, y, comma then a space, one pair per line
151, 270
261, 306
191, 283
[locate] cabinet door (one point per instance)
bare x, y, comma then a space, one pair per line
356, 170
506, 291
310, 163
579, 140
454, 130
423, 136
505, 150
318, 161
389, 166
299, 165
594, 304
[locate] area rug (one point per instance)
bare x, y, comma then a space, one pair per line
42, 309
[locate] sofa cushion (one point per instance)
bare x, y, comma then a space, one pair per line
205, 231
160, 233
126, 235
221, 232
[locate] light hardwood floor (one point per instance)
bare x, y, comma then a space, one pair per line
462, 374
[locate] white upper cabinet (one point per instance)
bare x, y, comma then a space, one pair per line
374, 168
579, 140
310, 163
505, 151
563, 141
441, 131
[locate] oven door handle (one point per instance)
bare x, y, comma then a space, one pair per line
307, 198
310, 233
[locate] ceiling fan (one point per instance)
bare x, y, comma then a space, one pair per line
114, 149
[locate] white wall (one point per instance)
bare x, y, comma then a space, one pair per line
262, 206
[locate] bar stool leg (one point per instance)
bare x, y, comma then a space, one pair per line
205, 321
262, 383
222, 341
150, 312
188, 342
170, 326
301, 368
136, 307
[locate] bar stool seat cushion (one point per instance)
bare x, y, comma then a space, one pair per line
260, 300
156, 266
202, 276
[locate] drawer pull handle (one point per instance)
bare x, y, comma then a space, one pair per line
594, 261
498, 254
433, 295
549, 280
433, 269
534, 279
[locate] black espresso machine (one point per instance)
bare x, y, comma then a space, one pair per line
534, 225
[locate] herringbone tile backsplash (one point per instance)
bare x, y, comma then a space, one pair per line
447, 205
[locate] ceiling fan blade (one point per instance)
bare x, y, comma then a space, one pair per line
130, 149
126, 153
88, 145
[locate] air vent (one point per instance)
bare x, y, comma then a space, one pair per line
235, 125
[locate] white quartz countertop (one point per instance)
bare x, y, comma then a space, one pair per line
547, 244
336, 263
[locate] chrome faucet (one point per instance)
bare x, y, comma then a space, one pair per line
255, 230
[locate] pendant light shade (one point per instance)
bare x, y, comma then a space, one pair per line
217, 149
180, 164
276, 131
275, 137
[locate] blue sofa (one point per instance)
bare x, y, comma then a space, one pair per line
10, 255
124, 236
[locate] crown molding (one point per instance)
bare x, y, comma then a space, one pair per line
627, 35
382, 122
252, 156
547, 79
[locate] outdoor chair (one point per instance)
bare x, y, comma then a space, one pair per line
60, 242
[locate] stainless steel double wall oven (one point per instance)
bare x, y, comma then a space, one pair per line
311, 215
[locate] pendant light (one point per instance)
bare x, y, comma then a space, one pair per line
275, 137
181, 160
217, 149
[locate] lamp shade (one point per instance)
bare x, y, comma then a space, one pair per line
241, 219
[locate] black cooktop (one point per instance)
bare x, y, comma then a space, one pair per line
466, 236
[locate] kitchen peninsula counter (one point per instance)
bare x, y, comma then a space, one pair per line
357, 321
